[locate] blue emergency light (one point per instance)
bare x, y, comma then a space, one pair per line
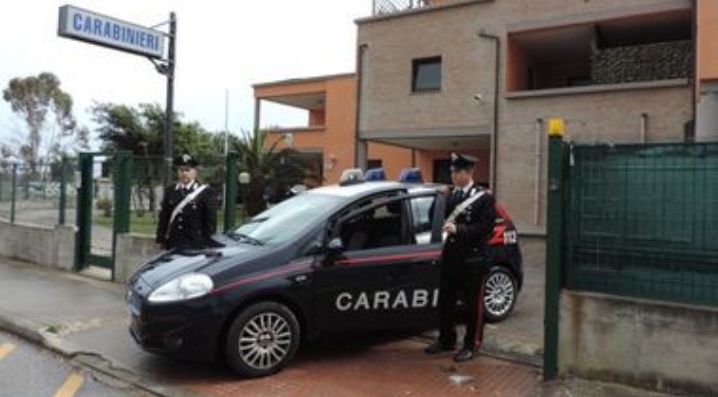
375, 174
411, 175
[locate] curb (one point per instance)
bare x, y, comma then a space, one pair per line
32, 332
519, 352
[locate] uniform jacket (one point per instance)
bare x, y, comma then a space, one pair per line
194, 224
474, 225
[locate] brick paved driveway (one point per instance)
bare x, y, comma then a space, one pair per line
377, 366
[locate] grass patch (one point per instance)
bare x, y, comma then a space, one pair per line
146, 224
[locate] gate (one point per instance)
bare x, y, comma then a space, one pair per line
106, 184
95, 245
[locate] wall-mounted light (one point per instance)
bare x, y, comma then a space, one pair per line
244, 178
331, 162
288, 139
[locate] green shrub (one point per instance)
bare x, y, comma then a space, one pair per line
104, 204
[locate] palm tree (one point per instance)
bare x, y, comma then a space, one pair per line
271, 169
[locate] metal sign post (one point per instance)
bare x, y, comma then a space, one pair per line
169, 111
88, 26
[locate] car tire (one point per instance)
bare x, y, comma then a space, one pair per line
500, 293
262, 339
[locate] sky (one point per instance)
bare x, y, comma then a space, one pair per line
223, 48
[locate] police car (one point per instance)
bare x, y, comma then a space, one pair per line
351, 257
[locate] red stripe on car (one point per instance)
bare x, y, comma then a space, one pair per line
282, 270
426, 254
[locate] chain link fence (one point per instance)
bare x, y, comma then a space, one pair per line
643, 221
35, 196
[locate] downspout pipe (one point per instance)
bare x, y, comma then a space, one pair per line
495, 127
360, 149
690, 136
538, 169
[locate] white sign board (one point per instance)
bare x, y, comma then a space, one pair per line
76, 23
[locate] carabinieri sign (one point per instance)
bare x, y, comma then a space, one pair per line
76, 23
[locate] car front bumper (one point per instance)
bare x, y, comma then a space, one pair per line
189, 329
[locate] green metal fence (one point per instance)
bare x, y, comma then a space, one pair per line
41, 196
148, 187
642, 221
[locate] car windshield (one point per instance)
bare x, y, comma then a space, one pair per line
286, 220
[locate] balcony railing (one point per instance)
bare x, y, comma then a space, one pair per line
381, 7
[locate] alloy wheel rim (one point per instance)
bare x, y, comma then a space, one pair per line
265, 340
499, 294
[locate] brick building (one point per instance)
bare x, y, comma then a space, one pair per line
484, 77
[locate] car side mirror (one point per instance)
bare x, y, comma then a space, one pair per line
334, 249
335, 246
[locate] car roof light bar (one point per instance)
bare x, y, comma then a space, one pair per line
375, 174
411, 175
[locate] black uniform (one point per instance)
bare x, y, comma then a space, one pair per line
193, 226
463, 267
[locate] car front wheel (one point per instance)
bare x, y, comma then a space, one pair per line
500, 294
262, 339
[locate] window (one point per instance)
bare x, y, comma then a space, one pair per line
421, 208
286, 220
377, 225
373, 163
426, 74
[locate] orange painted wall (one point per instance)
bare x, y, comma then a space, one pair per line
425, 160
336, 137
516, 76
707, 19
394, 159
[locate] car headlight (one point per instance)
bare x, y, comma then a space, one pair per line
188, 286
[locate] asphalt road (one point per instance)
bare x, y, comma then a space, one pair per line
28, 370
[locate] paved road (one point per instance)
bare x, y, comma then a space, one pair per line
89, 318
28, 370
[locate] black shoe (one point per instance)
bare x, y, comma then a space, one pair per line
465, 354
438, 347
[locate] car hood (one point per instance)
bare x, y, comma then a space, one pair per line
173, 263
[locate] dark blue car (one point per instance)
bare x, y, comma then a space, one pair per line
336, 258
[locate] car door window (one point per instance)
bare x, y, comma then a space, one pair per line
379, 223
421, 224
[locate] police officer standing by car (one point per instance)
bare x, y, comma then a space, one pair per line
470, 219
188, 216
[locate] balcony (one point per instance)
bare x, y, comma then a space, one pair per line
645, 48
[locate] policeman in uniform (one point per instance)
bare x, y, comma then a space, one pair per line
188, 216
470, 221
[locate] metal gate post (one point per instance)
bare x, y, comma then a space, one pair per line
13, 193
84, 212
63, 191
230, 191
554, 225
123, 190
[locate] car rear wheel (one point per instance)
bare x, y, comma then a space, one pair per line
262, 339
500, 293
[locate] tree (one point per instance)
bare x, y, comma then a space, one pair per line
141, 131
34, 98
271, 170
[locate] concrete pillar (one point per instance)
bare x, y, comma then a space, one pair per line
65, 242
707, 113
132, 252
